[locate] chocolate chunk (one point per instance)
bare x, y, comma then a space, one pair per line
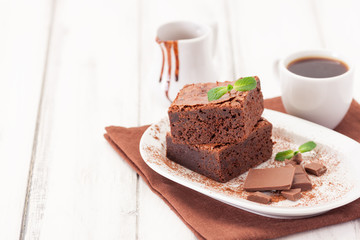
299, 169
315, 168
269, 179
301, 181
292, 194
297, 158
290, 162
259, 197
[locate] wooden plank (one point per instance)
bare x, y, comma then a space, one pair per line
24, 26
339, 22
261, 35
265, 31
339, 231
80, 188
156, 220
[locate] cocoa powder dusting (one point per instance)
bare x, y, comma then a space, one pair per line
157, 128
277, 198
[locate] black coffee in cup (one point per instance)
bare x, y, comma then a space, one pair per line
317, 67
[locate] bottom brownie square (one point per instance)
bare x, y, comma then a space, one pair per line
223, 162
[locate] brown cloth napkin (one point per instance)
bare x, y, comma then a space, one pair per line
211, 219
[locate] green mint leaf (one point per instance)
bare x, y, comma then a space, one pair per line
216, 93
245, 84
306, 147
242, 84
281, 156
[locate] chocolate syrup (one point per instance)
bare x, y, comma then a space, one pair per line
171, 47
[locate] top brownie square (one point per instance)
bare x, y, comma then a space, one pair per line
230, 119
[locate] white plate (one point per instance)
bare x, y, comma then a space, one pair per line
338, 186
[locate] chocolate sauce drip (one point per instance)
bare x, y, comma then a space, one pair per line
170, 47
176, 52
163, 60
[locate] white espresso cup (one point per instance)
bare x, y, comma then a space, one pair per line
321, 100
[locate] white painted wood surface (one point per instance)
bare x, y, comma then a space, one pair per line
24, 30
80, 189
70, 68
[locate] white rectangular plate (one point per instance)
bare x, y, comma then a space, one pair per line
338, 186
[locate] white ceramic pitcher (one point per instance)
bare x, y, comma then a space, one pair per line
187, 51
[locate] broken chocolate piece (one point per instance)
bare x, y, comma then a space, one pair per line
315, 168
259, 197
292, 194
290, 162
299, 169
301, 181
269, 179
297, 158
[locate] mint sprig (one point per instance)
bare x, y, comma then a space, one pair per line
218, 92
241, 85
306, 147
281, 156
245, 84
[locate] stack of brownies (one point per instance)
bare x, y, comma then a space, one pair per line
220, 139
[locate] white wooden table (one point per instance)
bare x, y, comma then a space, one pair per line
68, 68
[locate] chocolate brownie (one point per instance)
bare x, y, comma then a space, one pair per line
195, 120
222, 162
